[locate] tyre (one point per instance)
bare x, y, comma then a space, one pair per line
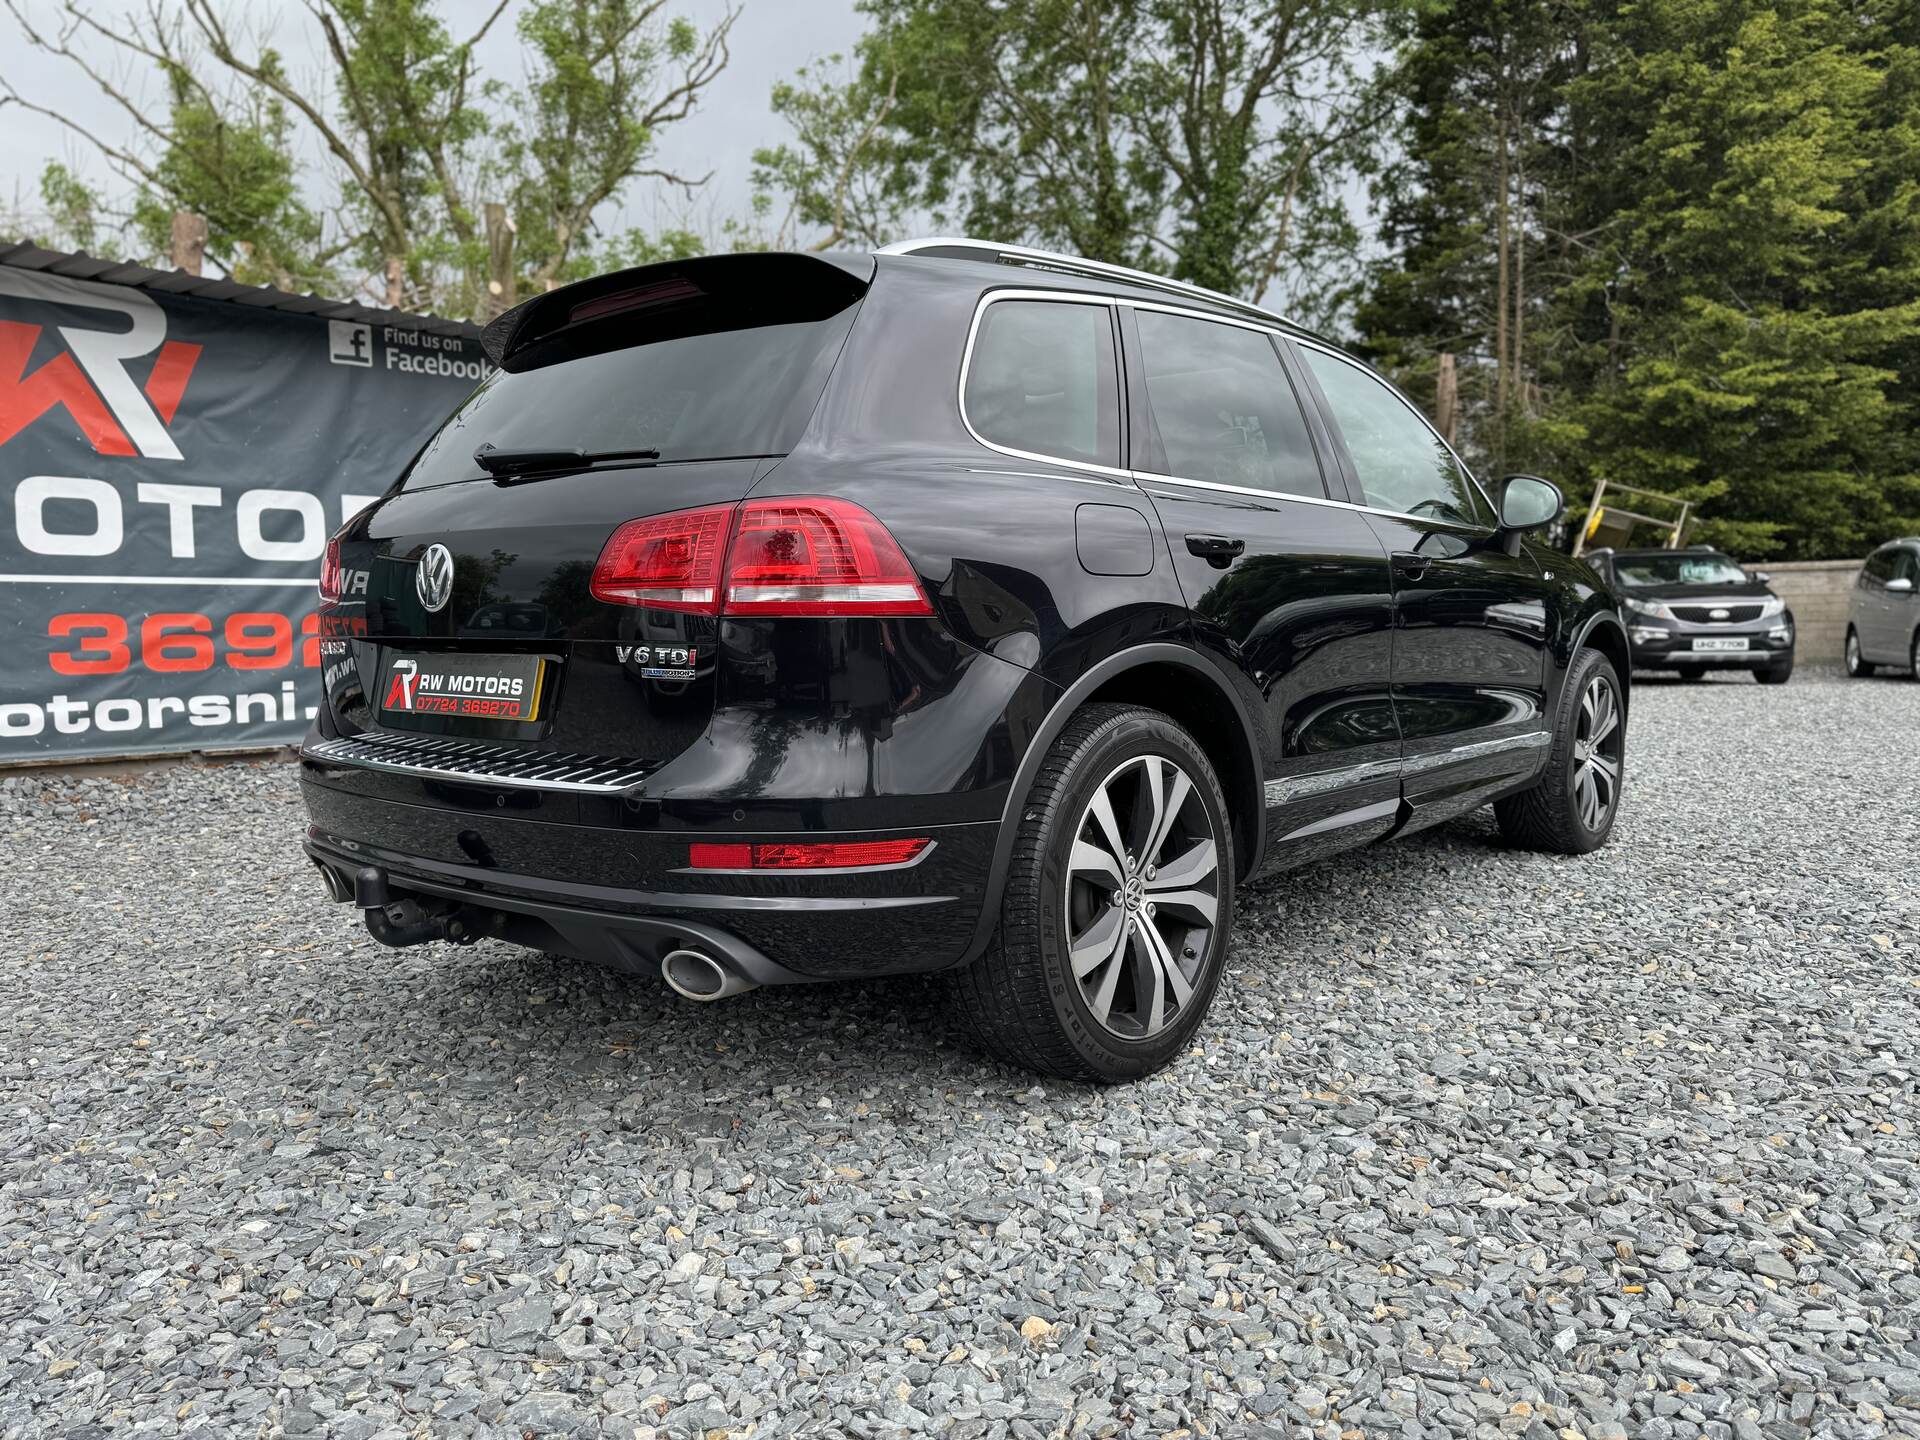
1913, 655
1118, 901
1857, 666
1571, 810
1778, 673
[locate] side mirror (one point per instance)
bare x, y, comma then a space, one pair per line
1899, 587
1761, 576
1529, 503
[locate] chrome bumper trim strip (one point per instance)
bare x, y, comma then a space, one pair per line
473, 762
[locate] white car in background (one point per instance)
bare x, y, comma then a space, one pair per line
1883, 620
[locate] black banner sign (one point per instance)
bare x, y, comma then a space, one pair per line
170, 469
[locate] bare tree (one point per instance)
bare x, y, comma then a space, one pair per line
419, 141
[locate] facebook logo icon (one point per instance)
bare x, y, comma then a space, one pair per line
348, 343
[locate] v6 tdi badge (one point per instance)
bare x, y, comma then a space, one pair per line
659, 662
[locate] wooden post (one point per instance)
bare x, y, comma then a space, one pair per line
189, 241
1446, 399
1592, 523
501, 288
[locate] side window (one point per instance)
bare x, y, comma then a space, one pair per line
1877, 570
1403, 464
1906, 566
1042, 378
1223, 407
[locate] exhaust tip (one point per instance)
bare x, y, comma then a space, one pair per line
338, 890
693, 975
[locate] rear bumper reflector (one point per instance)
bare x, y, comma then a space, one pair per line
807, 855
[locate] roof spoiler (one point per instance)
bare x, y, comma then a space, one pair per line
769, 287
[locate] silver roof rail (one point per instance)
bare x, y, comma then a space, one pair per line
1071, 265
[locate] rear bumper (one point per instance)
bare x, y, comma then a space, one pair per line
622, 941
624, 897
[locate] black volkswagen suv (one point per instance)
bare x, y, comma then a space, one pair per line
954, 608
1694, 609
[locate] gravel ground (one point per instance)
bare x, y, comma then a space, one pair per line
1477, 1143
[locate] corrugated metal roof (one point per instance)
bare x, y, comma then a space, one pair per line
24, 255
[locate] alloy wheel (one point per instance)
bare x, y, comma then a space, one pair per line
1142, 896
1853, 653
1597, 749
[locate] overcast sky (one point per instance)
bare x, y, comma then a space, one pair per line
771, 39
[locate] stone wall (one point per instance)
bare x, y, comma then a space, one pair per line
1817, 592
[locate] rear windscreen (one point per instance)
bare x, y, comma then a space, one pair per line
703, 395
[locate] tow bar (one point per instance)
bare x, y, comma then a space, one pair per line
409, 919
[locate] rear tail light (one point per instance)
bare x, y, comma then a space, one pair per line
817, 557
824, 855
331, 584
666, 562
809, 556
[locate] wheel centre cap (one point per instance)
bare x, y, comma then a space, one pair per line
1136, 892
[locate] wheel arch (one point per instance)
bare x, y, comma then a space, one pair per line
1603, 631
1180, 683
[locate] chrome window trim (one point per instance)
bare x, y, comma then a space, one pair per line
1070, 297
1425, 424
1144, 477
1272, 332
1272, 327
1276, 329
1281, 332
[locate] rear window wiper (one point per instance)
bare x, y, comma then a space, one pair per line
509, 467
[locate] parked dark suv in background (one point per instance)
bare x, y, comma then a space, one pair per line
1694, 609
1006, 612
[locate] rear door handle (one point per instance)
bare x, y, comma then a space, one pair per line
1410, 563
1218, 551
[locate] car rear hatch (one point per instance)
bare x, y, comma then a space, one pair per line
465, 607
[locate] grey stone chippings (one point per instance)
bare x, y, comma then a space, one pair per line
1476, 1143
